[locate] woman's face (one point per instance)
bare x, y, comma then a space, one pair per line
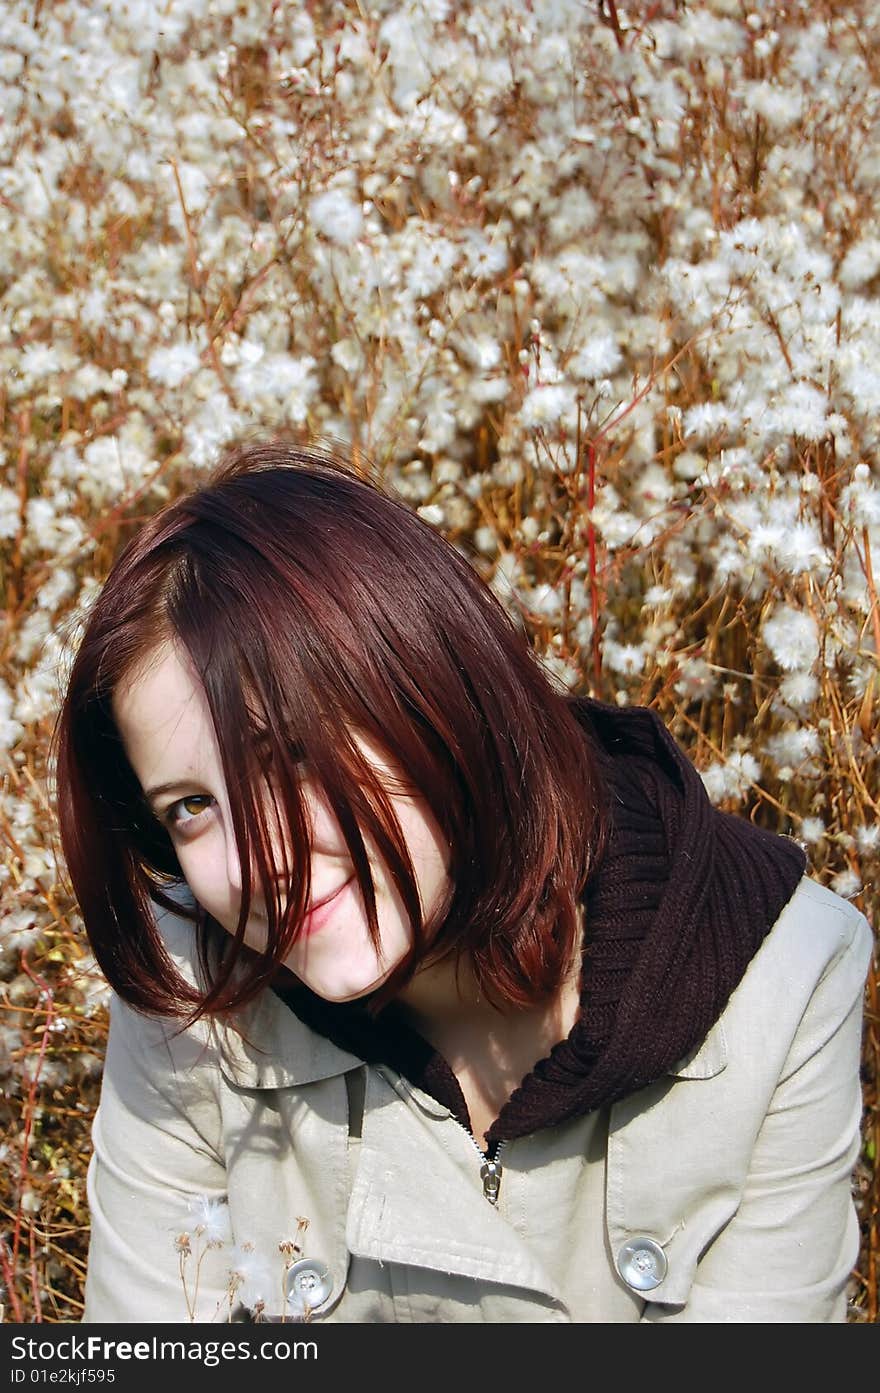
163, 718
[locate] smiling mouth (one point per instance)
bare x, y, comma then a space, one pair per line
318, 904
320, 912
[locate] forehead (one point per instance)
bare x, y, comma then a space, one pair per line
162, 714
161, 710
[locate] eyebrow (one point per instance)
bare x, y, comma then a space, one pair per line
160, 789
261, 740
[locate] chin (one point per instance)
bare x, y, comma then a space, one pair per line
338, 992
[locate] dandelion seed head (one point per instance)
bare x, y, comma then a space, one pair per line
625, 658
799, 690
337, 216
846, 884
210, 1218
171, 366
792, 747
792, 637
599, 357
731, 778
861, 263
255, 1281
812, 830
696, 679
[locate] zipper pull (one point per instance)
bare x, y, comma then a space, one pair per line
490, 1174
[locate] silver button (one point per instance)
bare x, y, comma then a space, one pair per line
308, 1285
642, 1264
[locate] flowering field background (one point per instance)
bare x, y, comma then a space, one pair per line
595, 287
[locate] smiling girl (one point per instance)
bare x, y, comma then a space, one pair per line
465, 972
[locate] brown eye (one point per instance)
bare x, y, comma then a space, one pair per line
187, 810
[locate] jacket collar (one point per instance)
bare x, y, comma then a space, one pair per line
707, 1060
273, 1048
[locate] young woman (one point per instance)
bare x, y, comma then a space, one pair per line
439, 995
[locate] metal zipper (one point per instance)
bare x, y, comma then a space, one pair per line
491, 1168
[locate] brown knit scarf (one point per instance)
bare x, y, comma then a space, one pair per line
680, 904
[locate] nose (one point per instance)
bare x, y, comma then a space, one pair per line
280, 877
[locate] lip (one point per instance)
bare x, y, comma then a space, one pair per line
322, 911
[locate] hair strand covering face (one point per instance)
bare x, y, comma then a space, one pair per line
312, 603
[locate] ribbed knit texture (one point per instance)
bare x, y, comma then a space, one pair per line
680, 904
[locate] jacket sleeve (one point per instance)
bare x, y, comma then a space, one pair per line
787, 1253
156, 1181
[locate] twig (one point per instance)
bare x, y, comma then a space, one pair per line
198, 281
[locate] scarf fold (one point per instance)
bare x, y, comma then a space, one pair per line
681, 902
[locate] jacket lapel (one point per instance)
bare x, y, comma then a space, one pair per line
417, 1196
274, 1049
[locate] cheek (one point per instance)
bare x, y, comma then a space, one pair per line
325, 832
205, 873
428, 851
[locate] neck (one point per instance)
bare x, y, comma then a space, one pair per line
445, 1004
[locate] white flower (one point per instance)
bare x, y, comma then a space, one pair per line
868, 838
431, 125
482, 352
599, 357
214, 424
799, 690
255, 1282
707, 419
172, 365
792, 637
337, 216
812, 830
39, 361
846, 884
486, 541
860, 499
279, 378
428, 260
696, 679
792, 746
802, 410
561, 675
210, 1218
10, 513
861, 263
762, 539
547, 406
432, 513
801, 549
11, 730
657, 595
484, 258
196, 187
347, 354
489, 389
689, 465
780, 107
616, 524
626, 658
36, 698
732, 778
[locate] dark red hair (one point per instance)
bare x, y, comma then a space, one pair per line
312, 603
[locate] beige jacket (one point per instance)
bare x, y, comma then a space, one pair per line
721, 1192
